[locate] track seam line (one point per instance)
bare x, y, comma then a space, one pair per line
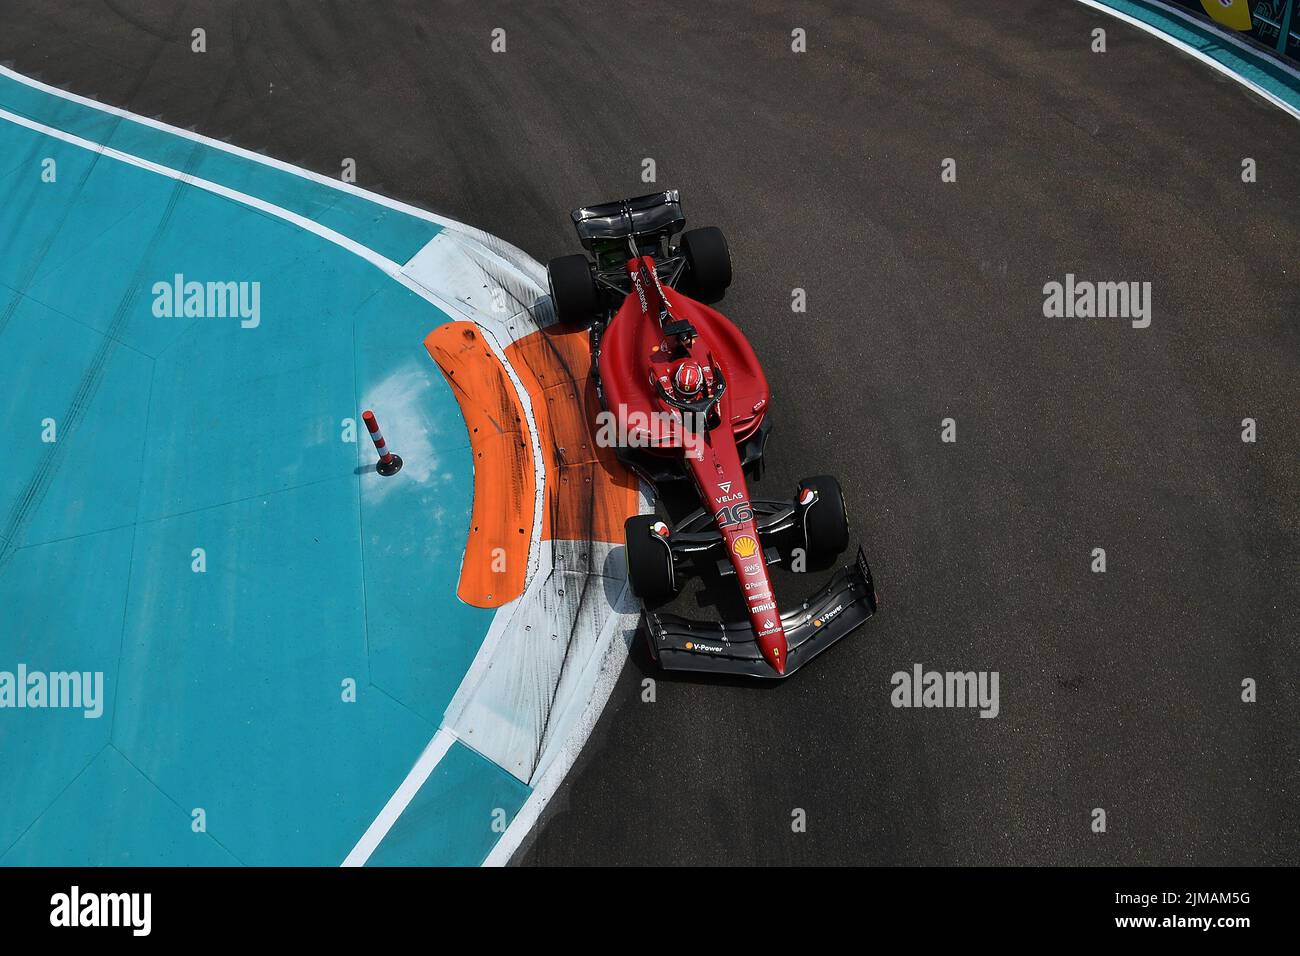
62, 790
167, 796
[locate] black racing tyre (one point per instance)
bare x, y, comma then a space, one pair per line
573, 289
649, 559
826, 525
708, 260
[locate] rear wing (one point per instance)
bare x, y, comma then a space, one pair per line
657, 214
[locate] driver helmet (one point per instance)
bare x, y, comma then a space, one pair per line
689, 379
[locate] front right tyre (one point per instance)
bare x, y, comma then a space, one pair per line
649, 558
826, 522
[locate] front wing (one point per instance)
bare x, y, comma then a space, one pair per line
679, 644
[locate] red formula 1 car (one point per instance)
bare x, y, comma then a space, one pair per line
684, 396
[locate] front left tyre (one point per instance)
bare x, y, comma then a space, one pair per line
573, 289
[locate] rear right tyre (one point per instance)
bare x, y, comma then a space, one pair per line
708, 261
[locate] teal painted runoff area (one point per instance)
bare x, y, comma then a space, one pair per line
457, 816
184, 511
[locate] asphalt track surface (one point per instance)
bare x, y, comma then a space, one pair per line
1118, 690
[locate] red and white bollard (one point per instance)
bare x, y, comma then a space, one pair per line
389, 464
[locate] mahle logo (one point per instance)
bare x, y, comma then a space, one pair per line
208, 300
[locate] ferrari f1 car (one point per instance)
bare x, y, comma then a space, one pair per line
688, 399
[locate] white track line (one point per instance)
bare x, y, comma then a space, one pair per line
1204, 58
401, 798
509, 255
228, 148
310, 225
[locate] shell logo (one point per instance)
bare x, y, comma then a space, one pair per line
745, 546
1234, 14
690, 646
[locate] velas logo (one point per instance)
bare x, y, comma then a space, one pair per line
727, 494
745, 546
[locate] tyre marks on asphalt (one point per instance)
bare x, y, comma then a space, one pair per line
29, 500
589, 492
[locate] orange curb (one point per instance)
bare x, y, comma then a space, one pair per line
588, 491
495, 566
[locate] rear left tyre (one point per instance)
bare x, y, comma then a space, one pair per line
573, 289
